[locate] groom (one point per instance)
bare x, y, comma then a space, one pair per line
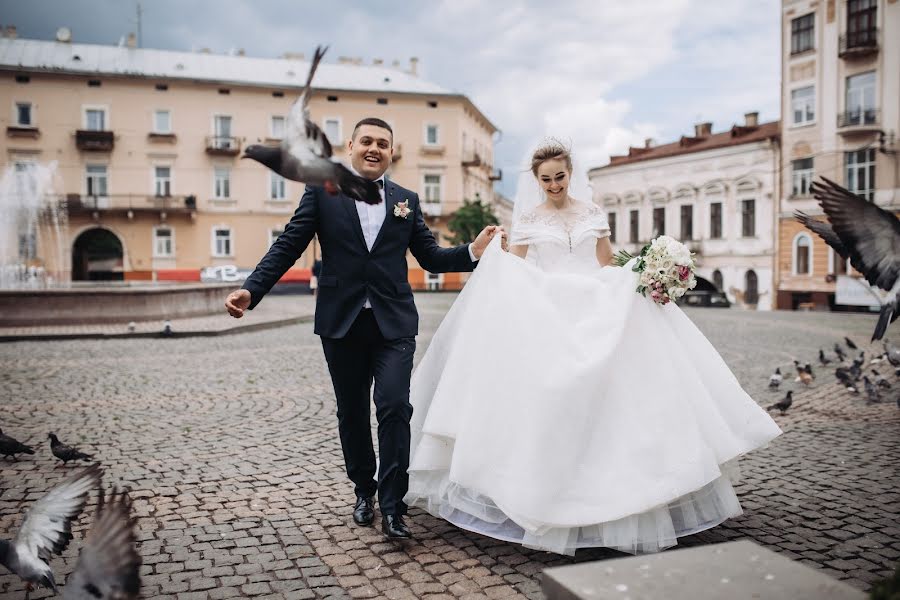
365, 312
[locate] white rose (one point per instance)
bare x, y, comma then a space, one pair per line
679, 292
667, 263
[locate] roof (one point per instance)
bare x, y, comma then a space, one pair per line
737, 135
95, 59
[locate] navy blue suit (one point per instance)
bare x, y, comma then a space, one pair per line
364, 345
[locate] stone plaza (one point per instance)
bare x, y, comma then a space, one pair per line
229, 446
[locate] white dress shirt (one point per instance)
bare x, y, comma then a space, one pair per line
371, 218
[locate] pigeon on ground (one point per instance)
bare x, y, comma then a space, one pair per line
871, 390
167, 329
843, 375
850, 343
784, 404
108, 565
840, 352
893, 353
10, 446
775, 379
47, 529
880, 381
808, 369
870, 237
803, 376
823, 360
66, 453
305, 154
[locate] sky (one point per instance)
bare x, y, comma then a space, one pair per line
598, 74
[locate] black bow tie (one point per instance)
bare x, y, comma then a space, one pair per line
380, 183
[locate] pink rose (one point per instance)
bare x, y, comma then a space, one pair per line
684, 272
655, 295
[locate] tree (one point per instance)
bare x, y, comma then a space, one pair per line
467, 222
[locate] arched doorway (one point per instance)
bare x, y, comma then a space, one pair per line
97, 256
751, 288
718, 281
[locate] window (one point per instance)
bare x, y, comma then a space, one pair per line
431, 135
221, 241
860, 99
222, 132
611, 217
861, 172
333, 130
95, 119
432, 188
162, 181
163, 242
802, 176
861, 22
687, 222
803, 105
273, 235
276, 127
95, 180
715, 220
276, 186
751, 287
802, 254
633, 223
718, 281
748, 218
838, 264
222, 183
802, 33
23, 114
162, 121
659, 221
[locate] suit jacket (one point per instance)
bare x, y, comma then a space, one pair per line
350, 272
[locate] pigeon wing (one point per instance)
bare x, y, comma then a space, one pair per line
870, 233
108, 565
298, 126
824, 231
47, 527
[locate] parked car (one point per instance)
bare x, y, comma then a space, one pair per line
705, 294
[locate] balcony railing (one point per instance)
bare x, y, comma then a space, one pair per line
23, 131
91, 140
471, 159
496, 175
223, 145
431, 209
858, 43
77, 203
858, 118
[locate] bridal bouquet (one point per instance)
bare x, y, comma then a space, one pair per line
666, 268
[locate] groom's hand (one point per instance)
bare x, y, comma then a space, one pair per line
237, 302
484, 238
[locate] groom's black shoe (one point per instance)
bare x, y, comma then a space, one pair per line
394, 528
364, 510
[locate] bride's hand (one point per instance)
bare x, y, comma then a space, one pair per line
484, 238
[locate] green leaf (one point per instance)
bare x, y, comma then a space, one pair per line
468, 221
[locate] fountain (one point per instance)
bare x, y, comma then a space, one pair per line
36, 266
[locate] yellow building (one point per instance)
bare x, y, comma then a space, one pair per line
147, 145
840, 84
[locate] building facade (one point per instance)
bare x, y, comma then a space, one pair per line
147, 144
840, 88
715, 192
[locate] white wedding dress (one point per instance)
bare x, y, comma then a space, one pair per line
557, 408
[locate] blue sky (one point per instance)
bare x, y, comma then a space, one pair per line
599, 74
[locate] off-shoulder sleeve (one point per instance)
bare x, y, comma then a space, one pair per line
597, 222
525, 230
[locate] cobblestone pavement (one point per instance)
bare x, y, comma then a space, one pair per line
230, 447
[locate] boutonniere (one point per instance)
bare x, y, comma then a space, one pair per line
401, 209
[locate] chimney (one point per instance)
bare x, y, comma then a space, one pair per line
377, 61
414, 66
751, 119
131, 41
10, 32
241, 52
702, 129
344, 60
648, 143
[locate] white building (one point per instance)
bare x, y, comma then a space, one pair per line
715, 192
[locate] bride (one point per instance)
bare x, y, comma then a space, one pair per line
557, 408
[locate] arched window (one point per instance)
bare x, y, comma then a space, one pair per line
718, 281
802, 254
751, 287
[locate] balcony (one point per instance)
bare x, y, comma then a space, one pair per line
222, 145
94, 141
856, 44
130, 204
471, 159
858, 121
163, 138
496, 175
431, 150
23, 131
431, 209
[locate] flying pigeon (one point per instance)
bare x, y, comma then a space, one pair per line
784, 404
305, 153
775, 379
823, 360
869, 236
66, 453
10, 446
47, 529
108, 565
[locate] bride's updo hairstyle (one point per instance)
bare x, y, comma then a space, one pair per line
552, 150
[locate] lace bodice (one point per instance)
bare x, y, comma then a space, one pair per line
562, 240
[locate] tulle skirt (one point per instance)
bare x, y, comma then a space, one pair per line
564, 410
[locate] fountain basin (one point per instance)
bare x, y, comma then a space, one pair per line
87, 303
